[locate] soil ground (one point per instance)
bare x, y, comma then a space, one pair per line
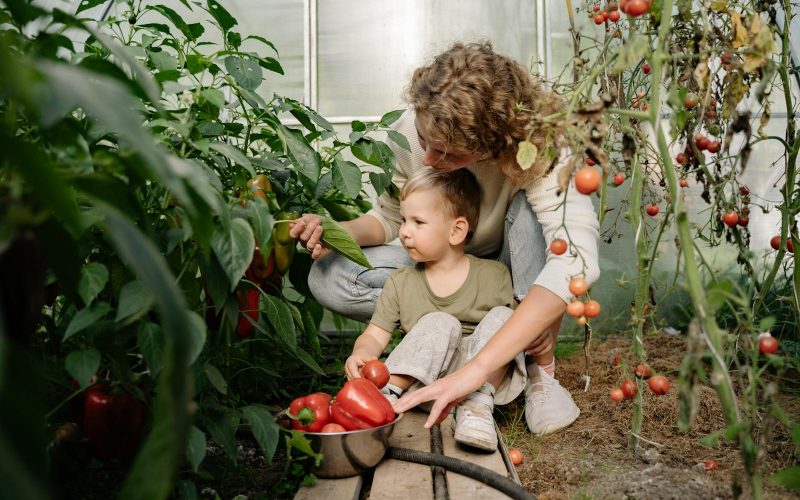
592, 458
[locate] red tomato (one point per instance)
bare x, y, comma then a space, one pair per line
516, 456
659, 384
744, 190
790, 245
637, 8
333, 427
680, 158
578, 286
619, 179
710, 465
589, 162
599, 19
645, 66
767, 344
591, 309
616, 395
587, 180
628, 388
701, 142
376, 372
775, 242
652, 210
683, 183
642, 371
743, 221
690, 101
596, 8
575, 308
730, 218
558, 246
713, 146
613, 16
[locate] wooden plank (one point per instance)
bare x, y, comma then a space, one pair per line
398, 480
347, 488
462, 486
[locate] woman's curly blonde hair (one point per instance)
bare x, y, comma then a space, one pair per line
476, 100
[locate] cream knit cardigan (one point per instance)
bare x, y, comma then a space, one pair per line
580, 225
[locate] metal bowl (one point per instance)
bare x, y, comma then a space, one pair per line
350, 453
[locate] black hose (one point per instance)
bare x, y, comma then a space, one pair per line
468, 469
440, 491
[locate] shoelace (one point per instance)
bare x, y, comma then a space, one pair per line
545, 389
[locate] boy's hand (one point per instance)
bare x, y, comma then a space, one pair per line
352, 367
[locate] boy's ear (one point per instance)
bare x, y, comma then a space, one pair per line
459, 231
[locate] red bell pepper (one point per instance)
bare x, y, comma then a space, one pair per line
114, 422
247, 307
311, 413
360, 405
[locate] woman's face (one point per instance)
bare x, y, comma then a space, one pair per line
438, 155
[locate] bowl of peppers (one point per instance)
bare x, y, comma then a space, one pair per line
351, 431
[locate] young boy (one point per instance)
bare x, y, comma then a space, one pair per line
448, 305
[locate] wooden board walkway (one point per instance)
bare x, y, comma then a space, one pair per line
399, 480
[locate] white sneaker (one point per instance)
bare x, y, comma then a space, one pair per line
473, 423
548, 406
391, 395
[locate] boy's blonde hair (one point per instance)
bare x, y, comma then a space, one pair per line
458, 189
478, 101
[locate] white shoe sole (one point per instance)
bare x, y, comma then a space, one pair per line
550, 429
475, 442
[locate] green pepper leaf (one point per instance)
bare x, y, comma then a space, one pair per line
82, 365
94, 277
223, 17
134, 299
85, 318
216, 378
265, 429
335, 237
234, 249
196, 448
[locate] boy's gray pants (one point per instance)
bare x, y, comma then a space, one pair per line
435, 347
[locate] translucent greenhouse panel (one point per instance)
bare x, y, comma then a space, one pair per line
366, 56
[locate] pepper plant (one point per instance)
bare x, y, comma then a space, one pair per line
146, 188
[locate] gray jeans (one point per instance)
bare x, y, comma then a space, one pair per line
435, 347
352, 290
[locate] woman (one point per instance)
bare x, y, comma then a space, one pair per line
467, 109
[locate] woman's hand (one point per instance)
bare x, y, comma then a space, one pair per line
308, 229
446, 393
354, 363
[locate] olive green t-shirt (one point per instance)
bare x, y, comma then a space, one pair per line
406, 296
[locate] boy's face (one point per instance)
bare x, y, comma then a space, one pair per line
426, 227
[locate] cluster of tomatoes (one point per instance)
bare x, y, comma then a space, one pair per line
610, 13
732, 218
578, 309
358, 405
658, 384
633, 8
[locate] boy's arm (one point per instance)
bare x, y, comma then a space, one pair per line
369, 345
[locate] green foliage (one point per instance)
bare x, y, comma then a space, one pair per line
128, 165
